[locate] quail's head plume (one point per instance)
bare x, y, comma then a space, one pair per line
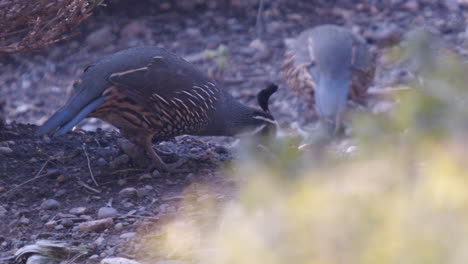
153, 95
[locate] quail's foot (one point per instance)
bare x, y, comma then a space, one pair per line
158, 163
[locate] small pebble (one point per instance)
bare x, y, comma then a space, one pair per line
61, 179
128, 235
118, 260
50, 204
145, 176
170, 261
44, 217
52, 173
51, 224
78, 210
194, 150
221, 149
128, 192
120, 160
5, 150
24, 220
99, 241
101, 162
95, 225
156, 173
119, 226
106, 212
66, 222
60, 192
3, 212
144, 191
122, 182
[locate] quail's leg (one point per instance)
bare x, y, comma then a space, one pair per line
141, 143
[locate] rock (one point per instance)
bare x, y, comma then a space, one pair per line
3, 212
169, 261
118, 260
411, 5
128, 235
99, 241
119, 226
52, 173
60, 192
128, 192
100, 38
193, 32
50, 204
106, 212
145, 176
66, 222
61, 179
141, 192
221, 149
101, 162
78, 210
95, 225
156, 173
194, 150
5, 150
120, 160
122, 182
51, 224
133, 30
263, 52
24, 220
133, 152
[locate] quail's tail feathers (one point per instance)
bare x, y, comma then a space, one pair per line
65, 118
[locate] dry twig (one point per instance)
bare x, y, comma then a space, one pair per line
38, 176
89, 165
88, 187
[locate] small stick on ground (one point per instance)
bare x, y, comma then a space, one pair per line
259, 22
30, 180
89, 165
88, 187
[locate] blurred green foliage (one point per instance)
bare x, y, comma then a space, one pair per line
402, 198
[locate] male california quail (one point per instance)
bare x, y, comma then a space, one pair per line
327, 64
151, 94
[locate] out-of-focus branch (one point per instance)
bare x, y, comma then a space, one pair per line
27, 26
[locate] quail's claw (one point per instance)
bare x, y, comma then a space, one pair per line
158, 163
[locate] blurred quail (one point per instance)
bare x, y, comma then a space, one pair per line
151, 94
328, 64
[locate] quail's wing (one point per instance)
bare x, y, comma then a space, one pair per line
162, 76
362, 60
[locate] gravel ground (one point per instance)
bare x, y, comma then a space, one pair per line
47, 189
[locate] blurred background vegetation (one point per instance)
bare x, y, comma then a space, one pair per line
400, 197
